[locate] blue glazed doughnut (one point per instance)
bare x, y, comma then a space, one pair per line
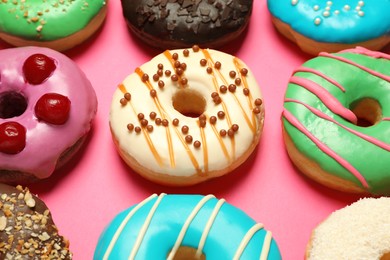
330, 26
166, 226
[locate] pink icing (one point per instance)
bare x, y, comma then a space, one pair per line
295, 122
320, 114
329, 100
373, 72
364, 51
318, 73
44, 142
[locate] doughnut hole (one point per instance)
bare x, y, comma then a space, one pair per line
367, 110
188, 253
386, 256
189, 102
12, 104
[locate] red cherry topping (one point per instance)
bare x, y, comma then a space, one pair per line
53, 108
37, 68
12, 137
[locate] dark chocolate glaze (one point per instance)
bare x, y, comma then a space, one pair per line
168, 24
27, 230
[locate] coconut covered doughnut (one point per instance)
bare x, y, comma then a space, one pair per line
46, 109
336, 120
185, 227
331, 26
358, 231
181, 24
27, 230
56, 24
187, 115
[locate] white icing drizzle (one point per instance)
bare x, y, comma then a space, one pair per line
266, 246
144, 228
123, 224
208, 227
187, 224
246, 239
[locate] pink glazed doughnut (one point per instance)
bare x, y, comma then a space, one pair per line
46, 108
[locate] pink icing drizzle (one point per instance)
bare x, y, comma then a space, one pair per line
320, 114
373, 72
364, 51
322, 75
295, 122
330, 101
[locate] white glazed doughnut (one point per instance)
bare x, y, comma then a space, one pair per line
187, 115
359, 231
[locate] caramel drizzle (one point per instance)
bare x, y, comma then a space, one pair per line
205, 151
223, 146
145, 133
249, 97
161, 110
168, 55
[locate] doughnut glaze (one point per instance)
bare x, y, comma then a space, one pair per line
43, 21
27, 229
358, 231
336, 113
45, 141
180, 24
345, 22
187, 115
160, 226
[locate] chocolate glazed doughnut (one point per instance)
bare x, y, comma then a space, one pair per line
167, 24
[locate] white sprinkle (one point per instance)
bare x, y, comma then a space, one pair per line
317, 21
361, 13
336, 12
329, 3
347, 7
361, 3
316, 7
326, 13
357, 8
327, 8
294, 2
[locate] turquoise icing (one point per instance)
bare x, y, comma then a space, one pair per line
342, 21
226, 233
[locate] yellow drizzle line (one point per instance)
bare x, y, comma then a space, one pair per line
162, 113
221, 142
145, 133
244, 242
189, 152
171, 60
123, 224
144, 227
205, 151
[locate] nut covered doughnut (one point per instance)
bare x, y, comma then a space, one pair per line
187, 115
331, 26
46, 109
336, 120
358, 231
56, 24
185, 227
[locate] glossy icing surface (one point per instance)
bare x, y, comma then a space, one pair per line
161, 224
47, 20
165, 148
343, 21
318, 118
45, 142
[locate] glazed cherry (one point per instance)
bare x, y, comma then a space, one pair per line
53, 108
37, 68
12, 137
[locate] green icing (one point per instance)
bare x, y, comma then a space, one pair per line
46, 20
369, 159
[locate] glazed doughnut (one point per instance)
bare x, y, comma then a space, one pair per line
331, 26
181, 24
336, 120
46, 108
185, 227
56, 24
27, 230
358, 231
187, 115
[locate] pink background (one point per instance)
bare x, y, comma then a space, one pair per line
86, 194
